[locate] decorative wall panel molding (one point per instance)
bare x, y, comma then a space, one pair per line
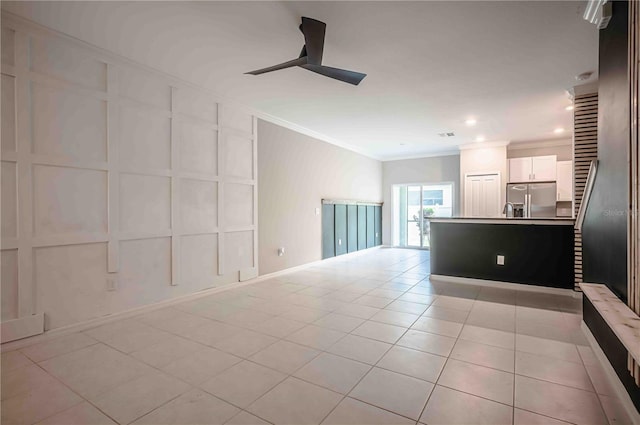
121, 186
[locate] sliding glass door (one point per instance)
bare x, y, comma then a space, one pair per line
413, 206
414, 221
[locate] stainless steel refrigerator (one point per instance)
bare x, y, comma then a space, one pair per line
537, 199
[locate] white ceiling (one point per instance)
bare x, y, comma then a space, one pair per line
430, 65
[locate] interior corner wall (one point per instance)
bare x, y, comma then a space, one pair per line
295, 173
121, 186
604, 233
435, 169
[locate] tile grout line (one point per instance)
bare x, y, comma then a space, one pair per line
128, 355
515, 351
71, 389
356, 384
157, 369
242, 328
595, 389
291, 375
363, 376
395, 344
424, 408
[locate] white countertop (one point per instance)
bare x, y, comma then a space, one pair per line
551, 221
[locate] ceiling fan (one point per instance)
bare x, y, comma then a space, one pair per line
311, 55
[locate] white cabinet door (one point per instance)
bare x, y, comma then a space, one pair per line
482, 196
564, 180
473, 205
491, 192
519, 170
543, 168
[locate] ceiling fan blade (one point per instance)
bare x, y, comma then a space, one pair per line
313, 31
295, 62
311, 55
347, 76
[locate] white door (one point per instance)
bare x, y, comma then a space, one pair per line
543, 168
473, 204
491, 191
519, 170
482, 195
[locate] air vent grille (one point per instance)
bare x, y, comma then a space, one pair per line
447, 134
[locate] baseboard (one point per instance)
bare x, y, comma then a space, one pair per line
22, 327
620, 390
87, 324
42, 336
248, 274
507, 285
316, 262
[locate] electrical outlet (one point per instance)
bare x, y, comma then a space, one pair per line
500, 260
112, 283
280, 252
317, 211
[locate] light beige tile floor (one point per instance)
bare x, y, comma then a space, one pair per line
366, 339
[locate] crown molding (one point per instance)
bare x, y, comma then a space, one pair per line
483, 145
422, 155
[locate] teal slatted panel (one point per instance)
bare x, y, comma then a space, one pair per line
371, 232
340, 238
362, 227
328, 231
378, 225
352, 228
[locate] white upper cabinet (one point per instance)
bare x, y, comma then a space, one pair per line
543, 168
519, 170
565, 181
532, 169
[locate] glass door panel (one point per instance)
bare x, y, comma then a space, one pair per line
414, 221
414, 205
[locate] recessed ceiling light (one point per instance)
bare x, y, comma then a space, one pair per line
569, 108
558, 130
471, 122
480, 139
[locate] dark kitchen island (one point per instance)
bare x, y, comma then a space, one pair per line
536, 251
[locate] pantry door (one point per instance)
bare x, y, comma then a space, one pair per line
482, 195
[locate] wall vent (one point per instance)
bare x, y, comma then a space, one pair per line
447, 134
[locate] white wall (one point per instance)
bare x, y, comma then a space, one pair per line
483, 159
422, 170
296, 172
111, 171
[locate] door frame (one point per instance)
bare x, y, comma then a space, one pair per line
481, 173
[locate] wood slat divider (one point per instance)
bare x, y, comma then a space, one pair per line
585, 149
